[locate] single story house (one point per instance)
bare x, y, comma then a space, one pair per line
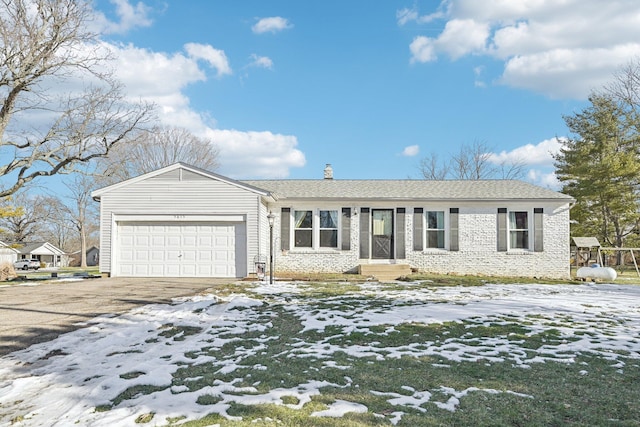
181, 221
8, 253
45, 252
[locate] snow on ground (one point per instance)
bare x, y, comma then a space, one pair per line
62, 382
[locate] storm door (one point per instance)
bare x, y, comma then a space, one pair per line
382, 233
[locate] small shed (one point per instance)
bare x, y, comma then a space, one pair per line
586, 251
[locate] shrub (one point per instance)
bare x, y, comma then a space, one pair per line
7, 271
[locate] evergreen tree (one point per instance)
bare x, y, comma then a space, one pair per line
600, 168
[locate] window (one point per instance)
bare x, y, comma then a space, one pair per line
315, 229
519, 230
328, 229
435, 229
303, 231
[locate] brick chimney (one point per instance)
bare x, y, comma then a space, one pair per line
328, 171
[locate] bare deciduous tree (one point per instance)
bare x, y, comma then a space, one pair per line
157, 148
59, 105
432, 169
58, 229
81, 210
29, 220
472, 162
625, 85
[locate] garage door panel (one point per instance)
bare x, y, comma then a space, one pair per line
141, 270
126, 240
172, 240
189, 241
172, 270
205, 240
189, 256
181, 249
141, 256
142, 240
156, 270
126, 255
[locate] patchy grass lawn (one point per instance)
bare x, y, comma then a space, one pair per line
417, 353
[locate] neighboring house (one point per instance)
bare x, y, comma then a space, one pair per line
93, 257
45, 252
8, 253
184, 221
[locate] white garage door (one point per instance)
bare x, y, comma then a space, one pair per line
198, 249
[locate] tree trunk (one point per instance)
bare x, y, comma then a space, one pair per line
83, 247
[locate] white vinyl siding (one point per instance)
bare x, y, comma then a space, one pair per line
180, 195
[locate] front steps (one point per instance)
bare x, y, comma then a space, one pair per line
384, 271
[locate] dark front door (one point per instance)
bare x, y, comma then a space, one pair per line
382, 233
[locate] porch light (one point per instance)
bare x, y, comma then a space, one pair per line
271, 218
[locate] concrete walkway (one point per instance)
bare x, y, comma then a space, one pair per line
34, 314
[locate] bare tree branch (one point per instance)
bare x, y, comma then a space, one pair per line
45, 130
472, 162
160, 147
432, 169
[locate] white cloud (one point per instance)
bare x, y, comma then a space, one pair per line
478, 72
537, 160
422, 49
411, 150
406, 15
256, 154
272, 24
463, 36
561, 49
215, 57
544, 179
540, 154
130, 16
261, 61
162, 78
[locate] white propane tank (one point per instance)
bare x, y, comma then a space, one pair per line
597, 272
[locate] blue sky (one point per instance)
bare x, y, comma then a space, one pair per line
284, 87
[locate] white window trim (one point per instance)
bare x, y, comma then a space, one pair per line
315, 230
445, 229
425, 248
530, 231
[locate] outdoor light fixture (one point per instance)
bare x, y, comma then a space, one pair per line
271, 217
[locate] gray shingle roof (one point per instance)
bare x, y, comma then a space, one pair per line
407, 189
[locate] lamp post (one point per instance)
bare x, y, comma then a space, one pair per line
271, 217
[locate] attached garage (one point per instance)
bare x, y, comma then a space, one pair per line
176, 249
181, 221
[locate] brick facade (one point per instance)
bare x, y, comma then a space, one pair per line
477, 252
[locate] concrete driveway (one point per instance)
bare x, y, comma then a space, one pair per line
34, 314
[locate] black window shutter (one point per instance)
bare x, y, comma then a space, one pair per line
346, 229
400, 233
538, 229
364, 233
285, 228
418, 227
502, 229
453, 229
